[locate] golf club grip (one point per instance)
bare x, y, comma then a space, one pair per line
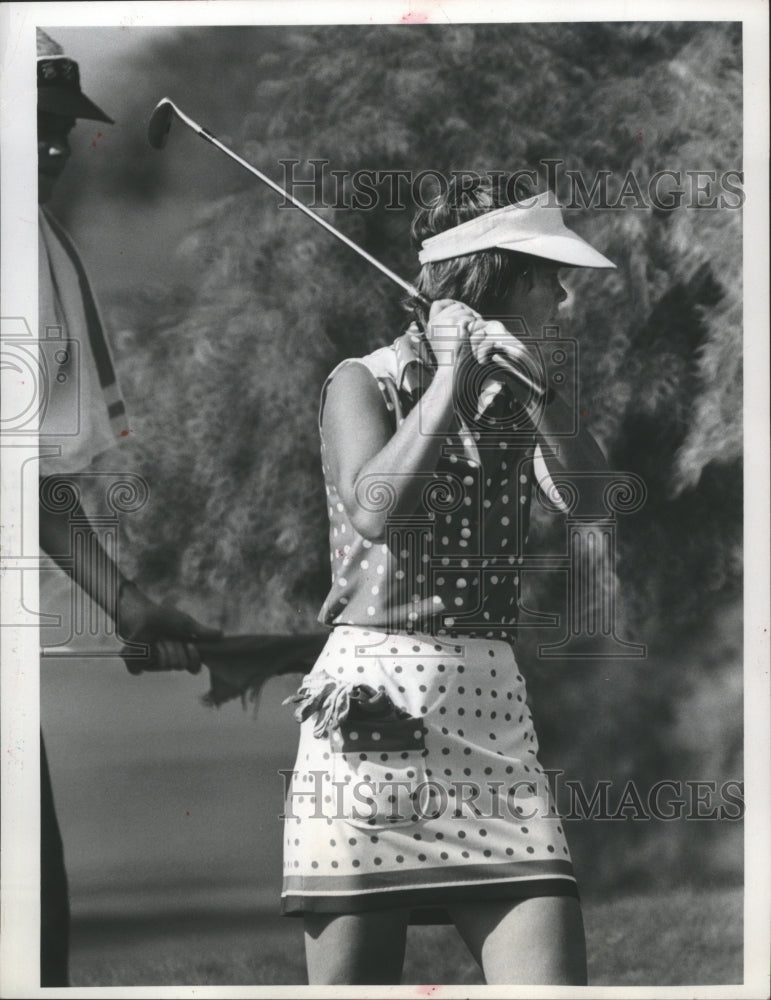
150, 664
272, 654
519, 374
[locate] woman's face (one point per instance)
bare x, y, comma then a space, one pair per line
537, 296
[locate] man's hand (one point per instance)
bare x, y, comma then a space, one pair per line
170, 633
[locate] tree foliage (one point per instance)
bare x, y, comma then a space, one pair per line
223, 372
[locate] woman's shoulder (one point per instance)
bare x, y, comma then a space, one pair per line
382, 363
375, 375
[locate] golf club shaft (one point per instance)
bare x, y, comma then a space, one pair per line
207, 135
253, 654
515, 372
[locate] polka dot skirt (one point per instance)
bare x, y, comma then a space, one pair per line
440, 801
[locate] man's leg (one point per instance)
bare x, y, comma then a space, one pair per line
54, 899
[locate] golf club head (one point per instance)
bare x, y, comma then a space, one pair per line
160, 123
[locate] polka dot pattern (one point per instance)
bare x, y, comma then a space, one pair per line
428, 617
474, 796
439, 579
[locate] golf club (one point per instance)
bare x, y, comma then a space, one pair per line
158, 129
228, 657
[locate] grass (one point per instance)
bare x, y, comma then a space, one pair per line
679, 938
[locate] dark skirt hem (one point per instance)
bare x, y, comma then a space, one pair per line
423, 902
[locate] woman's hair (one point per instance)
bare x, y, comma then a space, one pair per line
481, 280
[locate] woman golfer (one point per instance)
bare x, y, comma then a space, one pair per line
417, 794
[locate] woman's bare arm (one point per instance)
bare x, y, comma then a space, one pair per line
364, 454
363, 451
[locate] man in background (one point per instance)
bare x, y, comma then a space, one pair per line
85, 379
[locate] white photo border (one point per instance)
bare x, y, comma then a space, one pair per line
20, 682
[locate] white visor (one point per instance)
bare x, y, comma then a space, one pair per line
534, 226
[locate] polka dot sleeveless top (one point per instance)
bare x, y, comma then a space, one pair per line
453, 566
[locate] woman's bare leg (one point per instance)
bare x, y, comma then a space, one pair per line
528, 941
355, 948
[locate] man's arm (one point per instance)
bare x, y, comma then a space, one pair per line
138, 619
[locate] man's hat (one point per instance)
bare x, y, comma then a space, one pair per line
58, 83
